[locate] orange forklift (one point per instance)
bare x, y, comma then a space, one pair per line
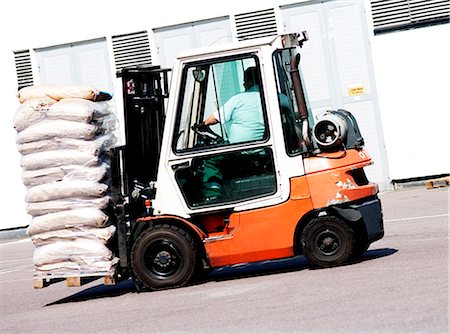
191, 195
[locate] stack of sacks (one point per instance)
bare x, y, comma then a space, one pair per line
63, 136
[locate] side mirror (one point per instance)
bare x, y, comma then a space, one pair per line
303, 38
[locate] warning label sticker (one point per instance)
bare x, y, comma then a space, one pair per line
355, 90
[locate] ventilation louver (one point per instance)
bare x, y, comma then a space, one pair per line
257, 24
131, 50
23, 68
392, 15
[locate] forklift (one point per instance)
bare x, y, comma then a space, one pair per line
298, 188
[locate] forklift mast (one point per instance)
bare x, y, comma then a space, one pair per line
135, 165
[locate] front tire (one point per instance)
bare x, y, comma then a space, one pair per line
164, 256
327, 241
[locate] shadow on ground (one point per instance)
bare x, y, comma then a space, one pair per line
239, 271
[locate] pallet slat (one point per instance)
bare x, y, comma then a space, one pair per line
71, 281
437, 183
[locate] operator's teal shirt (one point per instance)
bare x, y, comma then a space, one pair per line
242, 116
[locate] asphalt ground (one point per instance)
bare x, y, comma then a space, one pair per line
401, 285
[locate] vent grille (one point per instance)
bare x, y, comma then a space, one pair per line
24, 69
131, 50
257, 24
392, 15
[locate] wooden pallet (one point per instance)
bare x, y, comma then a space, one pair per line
71, 281
437, 183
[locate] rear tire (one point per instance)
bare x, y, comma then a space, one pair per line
164, 256
327, 241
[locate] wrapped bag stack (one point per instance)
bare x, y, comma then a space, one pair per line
63, 135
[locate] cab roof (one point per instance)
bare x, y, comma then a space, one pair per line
242, 45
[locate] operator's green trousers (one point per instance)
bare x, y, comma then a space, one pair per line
213, 178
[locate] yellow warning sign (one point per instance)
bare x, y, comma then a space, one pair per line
356, 90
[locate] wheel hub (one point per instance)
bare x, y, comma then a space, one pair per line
163, 258
328, 242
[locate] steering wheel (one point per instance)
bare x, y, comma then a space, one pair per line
206, 136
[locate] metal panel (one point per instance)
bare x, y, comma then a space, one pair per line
83, 63
131, 50
392, 15
316, 58
23, 68
173, 40
337, 67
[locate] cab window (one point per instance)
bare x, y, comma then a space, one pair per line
222, 104
290, 117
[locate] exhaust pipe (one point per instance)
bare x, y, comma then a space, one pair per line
300, 98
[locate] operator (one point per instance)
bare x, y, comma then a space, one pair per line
243, 121
242, 115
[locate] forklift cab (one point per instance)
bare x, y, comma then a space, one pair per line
235, 162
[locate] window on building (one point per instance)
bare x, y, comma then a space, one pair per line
79, 63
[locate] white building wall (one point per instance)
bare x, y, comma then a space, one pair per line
412, 71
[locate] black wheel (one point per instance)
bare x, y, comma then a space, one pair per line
327, 241
164, 256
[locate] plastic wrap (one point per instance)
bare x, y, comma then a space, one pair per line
95, 174
65, 189
93, 233
67, 219
58, 158
106, 124
57, 92
49, 129
43, 208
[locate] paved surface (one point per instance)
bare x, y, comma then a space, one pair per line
400, 286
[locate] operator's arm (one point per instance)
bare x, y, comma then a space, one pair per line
211, 120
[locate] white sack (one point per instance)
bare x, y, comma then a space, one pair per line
93, 146
31, 112
82, 251
58, 158
31, 178
49, 129
67, 219
94, 233
79, 110
43, 208
65, 189
57, 92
